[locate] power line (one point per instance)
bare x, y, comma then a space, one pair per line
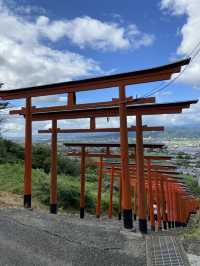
194, 53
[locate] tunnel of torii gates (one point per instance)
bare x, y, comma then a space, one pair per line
162, 184
121, 107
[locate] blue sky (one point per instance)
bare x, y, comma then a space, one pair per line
50, 41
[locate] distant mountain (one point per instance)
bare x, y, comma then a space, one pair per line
177, 132
169, 133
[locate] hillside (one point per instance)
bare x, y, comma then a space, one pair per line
12, 171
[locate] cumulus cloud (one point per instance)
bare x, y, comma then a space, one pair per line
189, 32
27, 49
89, 32
29, 53
25, 59
187, 117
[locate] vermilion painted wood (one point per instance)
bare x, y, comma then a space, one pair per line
111, 145
131, 110
95, 130
112, 171
82, 178
71, 105
126, 191
140, 173
151, 212
105, 155
28, 155
100, 176
135, 77
53, 196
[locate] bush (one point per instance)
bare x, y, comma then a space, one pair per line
11, 152
42, 160
192, 183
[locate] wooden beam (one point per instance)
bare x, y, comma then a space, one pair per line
82, 183
135, 77
72, 105
28, 155
104, 155
126, 188
53, 197
71, 100
146, 109
100, 176
112, 171
151, 212
110, 145
92, 129
140, 175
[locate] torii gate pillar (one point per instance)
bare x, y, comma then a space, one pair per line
28, 154
140, 175
126, 188
53, 197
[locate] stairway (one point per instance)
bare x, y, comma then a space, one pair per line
165, 250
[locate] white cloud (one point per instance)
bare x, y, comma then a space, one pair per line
27, 49
177, 7
14, 126
189, 32
89, 32
29, 55
187, 117
27, 59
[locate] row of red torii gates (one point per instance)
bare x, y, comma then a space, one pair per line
136, 171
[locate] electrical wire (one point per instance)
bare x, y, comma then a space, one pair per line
194, 53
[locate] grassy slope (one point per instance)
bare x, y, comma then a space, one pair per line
11, 180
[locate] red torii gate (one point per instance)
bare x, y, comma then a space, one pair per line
162, 179
84, 153
118, 80
138, 111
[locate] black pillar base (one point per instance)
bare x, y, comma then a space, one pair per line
119, 216
128, 219
53, 208
135, 217
82, 213
143, 226
165, 225
169, 224
184, 224
160, 228
177, 224
98, 216
153, 228
27, 201
173, 224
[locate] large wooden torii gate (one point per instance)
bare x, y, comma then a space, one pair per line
107, 154
132, 110
119, 107
164, 184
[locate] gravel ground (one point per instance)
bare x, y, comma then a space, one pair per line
37, 238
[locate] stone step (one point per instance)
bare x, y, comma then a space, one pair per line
162, 250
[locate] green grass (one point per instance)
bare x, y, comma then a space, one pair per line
192, 184
11, 180
193, 233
